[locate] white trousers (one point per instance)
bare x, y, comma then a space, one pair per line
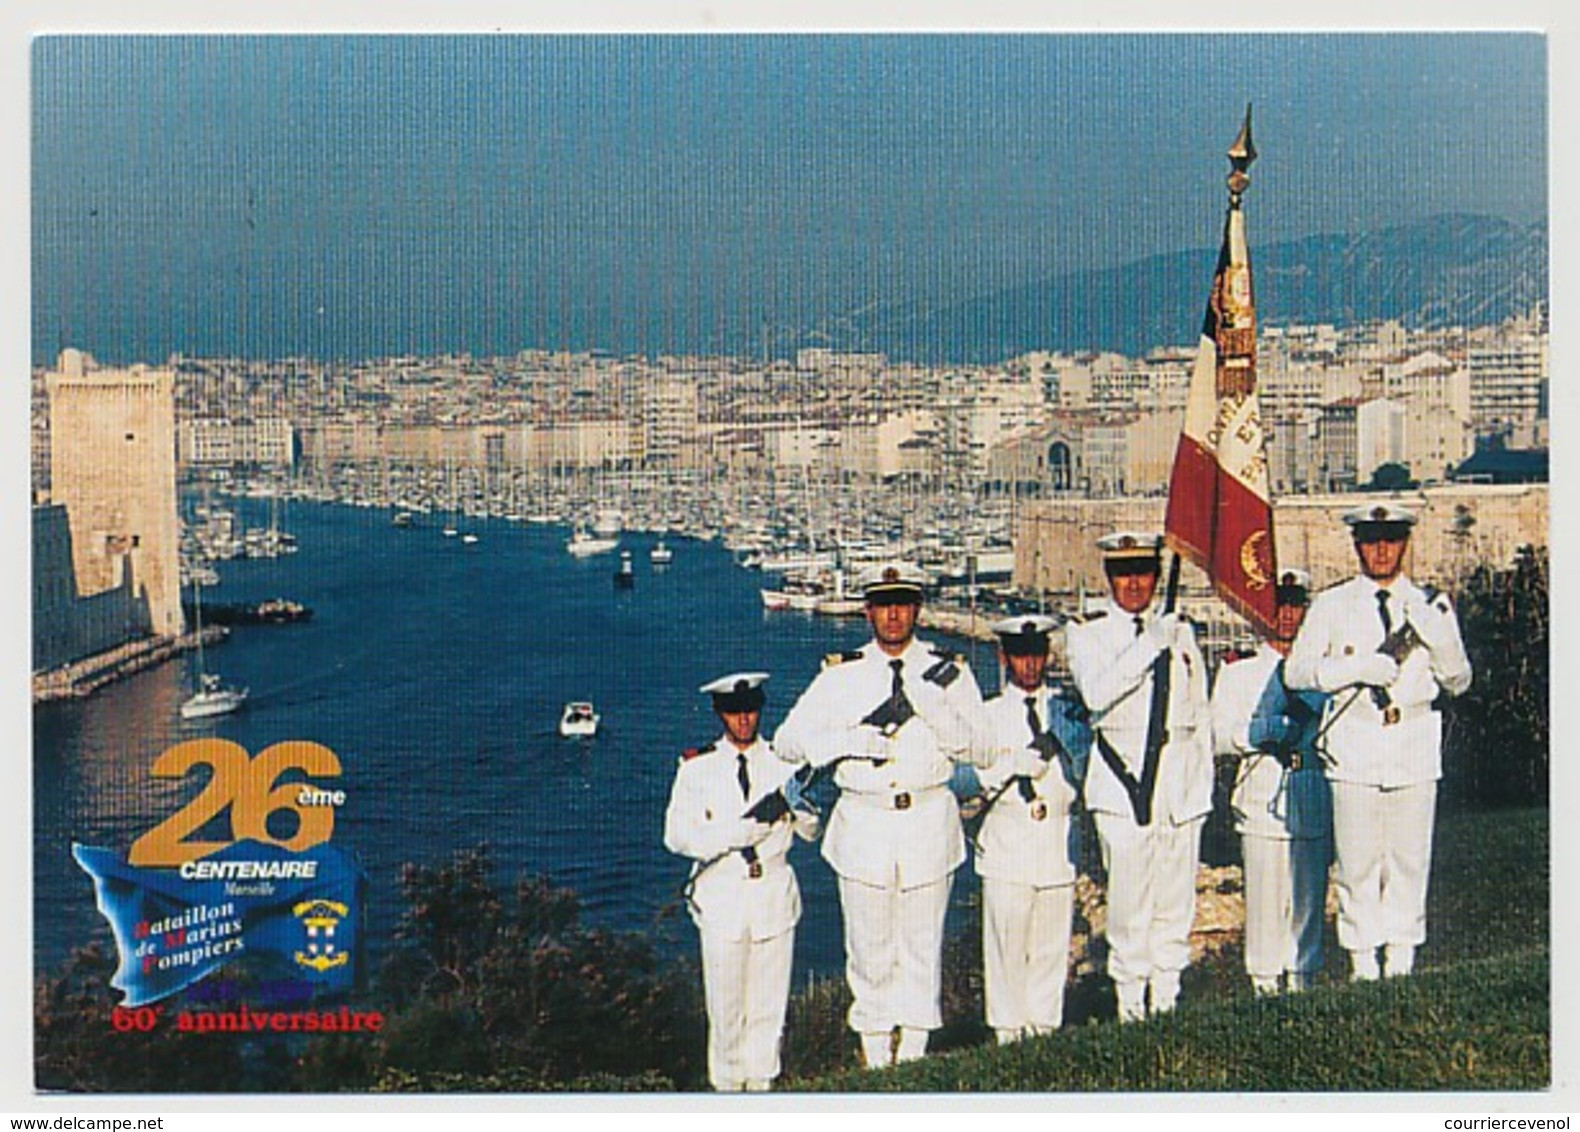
746, 984
1025, 953
1151, 898
1286, 888
1382, 841
894, 941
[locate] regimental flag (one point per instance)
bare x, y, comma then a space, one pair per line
1220, 512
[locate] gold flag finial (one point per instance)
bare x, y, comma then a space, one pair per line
1241, 154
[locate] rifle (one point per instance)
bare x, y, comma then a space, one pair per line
891, 715
1397, 646
1158, 720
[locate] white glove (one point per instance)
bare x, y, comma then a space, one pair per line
1162, 632
1029, 763
862, 740
1377, 670
1433, 622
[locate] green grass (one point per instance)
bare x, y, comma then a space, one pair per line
1475, 1016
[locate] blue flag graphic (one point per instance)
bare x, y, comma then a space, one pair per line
174, 926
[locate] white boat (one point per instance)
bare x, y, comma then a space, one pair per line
582, 544
661, 555
450, 532
608, 522
214, 697
774, 599
469, 538
578, 720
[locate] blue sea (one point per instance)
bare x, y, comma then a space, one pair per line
436, 671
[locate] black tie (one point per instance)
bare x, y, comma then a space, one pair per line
1027, 791
1382, 611
1140, 627
898, 687
742, 777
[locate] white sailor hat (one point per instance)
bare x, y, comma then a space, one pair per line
1293, 587
739, 691
1130, 545
1024, 625
1383, 514
1024, 633
894, 582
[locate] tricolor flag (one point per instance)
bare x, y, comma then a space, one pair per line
1220, 513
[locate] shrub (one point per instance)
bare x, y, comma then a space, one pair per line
1496, 738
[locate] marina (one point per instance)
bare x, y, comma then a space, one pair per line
442, 700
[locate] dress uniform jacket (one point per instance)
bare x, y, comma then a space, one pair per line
1344, 625
896, 823
1251, 705
1111, 664
1013, 843
704, 822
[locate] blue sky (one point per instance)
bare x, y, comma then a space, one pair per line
317, 194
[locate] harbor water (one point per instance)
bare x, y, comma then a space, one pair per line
436, 669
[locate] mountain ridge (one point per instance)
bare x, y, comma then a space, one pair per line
1450, 269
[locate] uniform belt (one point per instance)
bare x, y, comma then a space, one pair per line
1395, 714
898, 800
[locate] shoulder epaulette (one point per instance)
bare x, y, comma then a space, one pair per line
834, 658
1093, 615
692, 752
1237, 654
991, 696
947, 670
946, 654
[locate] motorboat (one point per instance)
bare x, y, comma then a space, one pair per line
582, 543
469, 538
578, 720
661, 555
213, 697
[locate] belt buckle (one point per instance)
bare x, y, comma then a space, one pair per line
902, 801
755, 870
1039, 810
1390, 715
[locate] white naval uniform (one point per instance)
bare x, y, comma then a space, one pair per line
746, 922
1384, 774
1152, 868
894, 838
1028, 879
1285, 821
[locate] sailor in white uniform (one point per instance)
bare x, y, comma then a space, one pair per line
1386, 649
1023, 848
728, 812
1151, 864
1281, 803
892, 718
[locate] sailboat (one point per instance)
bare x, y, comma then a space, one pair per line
214, 696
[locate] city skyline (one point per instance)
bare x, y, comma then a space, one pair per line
329, 195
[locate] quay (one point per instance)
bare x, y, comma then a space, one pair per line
86, 676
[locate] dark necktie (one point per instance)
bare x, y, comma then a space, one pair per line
1140, 625
898, 687
1382, 611
1027, 791
742, 777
